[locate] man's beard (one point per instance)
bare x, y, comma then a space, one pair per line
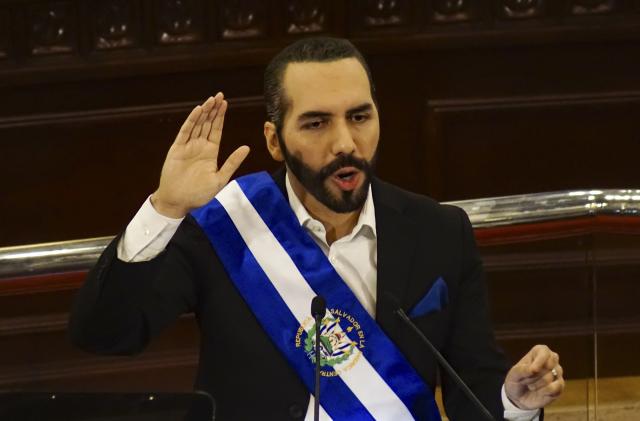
315, 181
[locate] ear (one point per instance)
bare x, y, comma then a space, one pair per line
271, 137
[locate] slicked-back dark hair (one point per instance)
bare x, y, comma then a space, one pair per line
317, 49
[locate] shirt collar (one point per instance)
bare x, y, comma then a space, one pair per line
367, 218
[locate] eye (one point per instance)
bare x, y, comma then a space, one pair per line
360, 117
313, 124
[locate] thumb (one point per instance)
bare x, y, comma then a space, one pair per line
519, 372
233, 162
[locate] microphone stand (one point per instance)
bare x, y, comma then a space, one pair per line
318, 310
316, 400
445, 365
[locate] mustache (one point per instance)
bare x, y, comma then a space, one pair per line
344, 161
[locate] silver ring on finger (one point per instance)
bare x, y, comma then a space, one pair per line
554, 373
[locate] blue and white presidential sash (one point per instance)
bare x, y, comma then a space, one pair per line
278, 269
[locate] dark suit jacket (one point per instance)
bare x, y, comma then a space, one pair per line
122, 306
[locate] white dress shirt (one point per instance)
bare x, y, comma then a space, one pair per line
354, 257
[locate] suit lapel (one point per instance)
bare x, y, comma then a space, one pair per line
397, 240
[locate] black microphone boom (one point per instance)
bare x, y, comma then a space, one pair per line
318, 309
441, 360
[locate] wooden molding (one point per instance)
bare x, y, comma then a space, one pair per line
96, 366
119, 113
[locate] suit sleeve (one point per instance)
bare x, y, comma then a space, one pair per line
122, 305
471, 347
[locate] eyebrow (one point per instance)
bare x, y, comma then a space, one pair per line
360, 108
367, 106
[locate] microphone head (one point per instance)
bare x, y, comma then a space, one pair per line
318, 306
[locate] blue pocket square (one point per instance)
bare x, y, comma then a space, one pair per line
434, 300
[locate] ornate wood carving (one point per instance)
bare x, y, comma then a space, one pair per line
306, 16
243, 19
38, 27
446, 11
377, 13
592, 7
115, 24
521, 9
180, 21
4, 33
52, 28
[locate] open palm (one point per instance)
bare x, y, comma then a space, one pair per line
190, 174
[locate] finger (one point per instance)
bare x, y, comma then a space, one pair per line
533, 366
547, 378
544, 358
206, 127
519, 373
206, 107
553, 389
233, 162
218, 123
541, 382
213, 115
552, 361
185, 131
208, 122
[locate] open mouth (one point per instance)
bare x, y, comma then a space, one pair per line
345, 174
346, 178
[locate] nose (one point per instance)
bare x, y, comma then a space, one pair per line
343, 140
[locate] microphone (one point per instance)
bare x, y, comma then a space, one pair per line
441, 360
318, 310
318, 307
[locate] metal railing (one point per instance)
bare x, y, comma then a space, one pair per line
484, 213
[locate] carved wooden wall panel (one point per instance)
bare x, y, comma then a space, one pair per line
101, 163
517, 145
180, 21
37, 355
4, 33
460, 85
454, 11
52, 28
79, 28
243, 19
308, 16
577, 294
116, 24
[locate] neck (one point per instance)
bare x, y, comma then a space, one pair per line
336, 224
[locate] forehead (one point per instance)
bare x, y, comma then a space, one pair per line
326, 86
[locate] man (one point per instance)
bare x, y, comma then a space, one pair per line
380, 241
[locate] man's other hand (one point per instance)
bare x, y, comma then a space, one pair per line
190, 175
536, 379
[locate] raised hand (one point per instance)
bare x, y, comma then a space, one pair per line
190, 175
536, 379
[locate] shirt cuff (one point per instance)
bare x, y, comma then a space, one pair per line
513, 413
147, 235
